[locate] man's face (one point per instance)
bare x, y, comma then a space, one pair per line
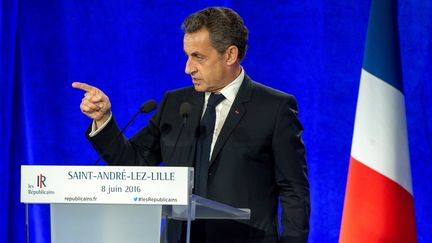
205, 64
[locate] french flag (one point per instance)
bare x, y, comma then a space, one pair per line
379, 205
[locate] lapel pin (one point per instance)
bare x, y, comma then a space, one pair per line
237, 111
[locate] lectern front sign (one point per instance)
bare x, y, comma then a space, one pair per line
106, 185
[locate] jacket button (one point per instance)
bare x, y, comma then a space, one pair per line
210, 174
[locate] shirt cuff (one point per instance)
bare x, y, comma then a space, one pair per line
95, 131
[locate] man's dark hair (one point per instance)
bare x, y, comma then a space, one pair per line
225, 27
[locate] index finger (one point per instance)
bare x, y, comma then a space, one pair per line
83, 86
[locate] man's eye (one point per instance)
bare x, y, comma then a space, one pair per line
199, 57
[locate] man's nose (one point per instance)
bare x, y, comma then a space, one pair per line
190, 68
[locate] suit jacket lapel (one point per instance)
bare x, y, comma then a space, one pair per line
236, 113
197, 102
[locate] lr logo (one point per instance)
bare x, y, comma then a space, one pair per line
41, 181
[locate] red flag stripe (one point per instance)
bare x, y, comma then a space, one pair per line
377, 205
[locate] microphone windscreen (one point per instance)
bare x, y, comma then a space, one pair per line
185, 109
148, 106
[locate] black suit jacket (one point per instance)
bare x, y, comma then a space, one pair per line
259, 157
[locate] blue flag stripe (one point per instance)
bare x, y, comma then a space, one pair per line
382, 52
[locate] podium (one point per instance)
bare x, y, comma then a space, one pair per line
118, 204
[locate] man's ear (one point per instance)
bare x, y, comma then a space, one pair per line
231, 55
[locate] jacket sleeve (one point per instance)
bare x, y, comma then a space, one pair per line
291, 173
142, 149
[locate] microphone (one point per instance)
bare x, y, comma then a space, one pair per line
185, 111
147, 107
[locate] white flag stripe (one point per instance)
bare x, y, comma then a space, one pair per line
380, 138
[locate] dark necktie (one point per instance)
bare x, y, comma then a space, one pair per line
205, 138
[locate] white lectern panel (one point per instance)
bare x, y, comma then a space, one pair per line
97, 223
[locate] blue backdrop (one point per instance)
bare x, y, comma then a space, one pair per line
133, 51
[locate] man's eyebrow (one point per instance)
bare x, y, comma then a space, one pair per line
194, 54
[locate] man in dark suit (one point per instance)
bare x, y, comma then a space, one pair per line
243, 138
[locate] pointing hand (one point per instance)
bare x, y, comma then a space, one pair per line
95, 103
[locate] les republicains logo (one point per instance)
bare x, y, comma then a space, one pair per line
41, 181
41, 184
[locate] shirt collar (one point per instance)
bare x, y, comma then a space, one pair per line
230, 91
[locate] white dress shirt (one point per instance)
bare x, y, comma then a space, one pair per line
223, 108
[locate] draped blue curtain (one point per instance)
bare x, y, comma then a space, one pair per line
133, 51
